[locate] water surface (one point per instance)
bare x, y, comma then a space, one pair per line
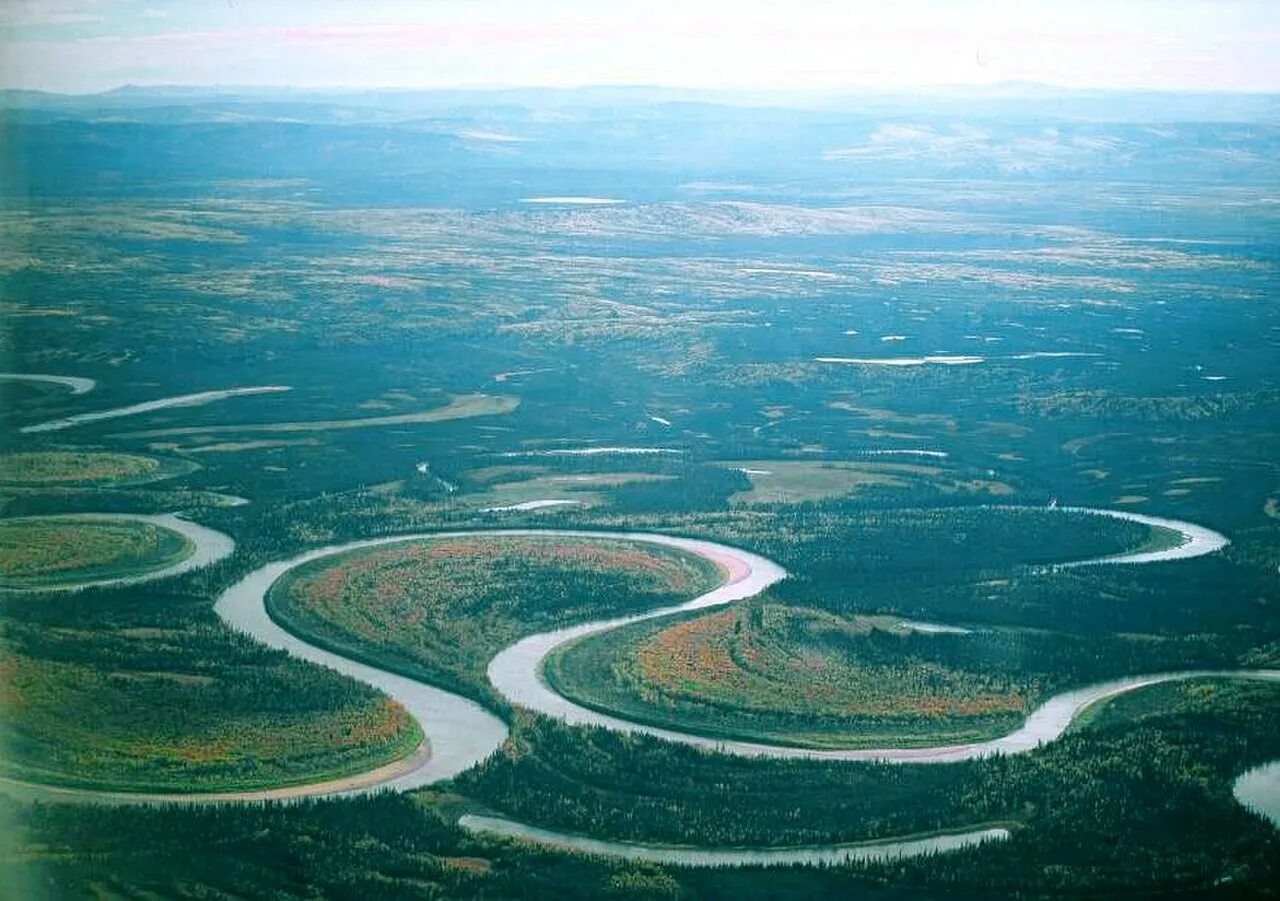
862, 852
1259, 790
77, 384
181, 400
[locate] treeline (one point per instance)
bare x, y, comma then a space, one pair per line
987, 566
1114, 406
388, 846
1138, 800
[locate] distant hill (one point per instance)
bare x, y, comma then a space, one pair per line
1006, 99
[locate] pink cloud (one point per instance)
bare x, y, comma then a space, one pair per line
408, 35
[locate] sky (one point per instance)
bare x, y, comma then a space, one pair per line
81, 46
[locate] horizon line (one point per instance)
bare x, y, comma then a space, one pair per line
812, 91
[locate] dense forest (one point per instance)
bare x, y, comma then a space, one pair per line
1151, 777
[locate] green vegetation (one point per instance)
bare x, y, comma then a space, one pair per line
1169, 699
958, 565
440, 608
1115, 276
79, 469
793, 675
1158, 788
48, 552
91, 686
794, 482
801, 676
388, 846
506, 487
71, 724
1155, 795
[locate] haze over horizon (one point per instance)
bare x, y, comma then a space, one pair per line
86, 46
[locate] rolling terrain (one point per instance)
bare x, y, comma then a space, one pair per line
647, 487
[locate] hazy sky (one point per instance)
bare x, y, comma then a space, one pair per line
90, 45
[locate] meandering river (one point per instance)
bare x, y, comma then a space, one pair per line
461, 733
516, 672
181, 400
77, 384
1195, 540
861, 852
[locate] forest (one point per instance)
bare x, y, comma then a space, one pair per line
383, 339
251, 716
1152, 781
